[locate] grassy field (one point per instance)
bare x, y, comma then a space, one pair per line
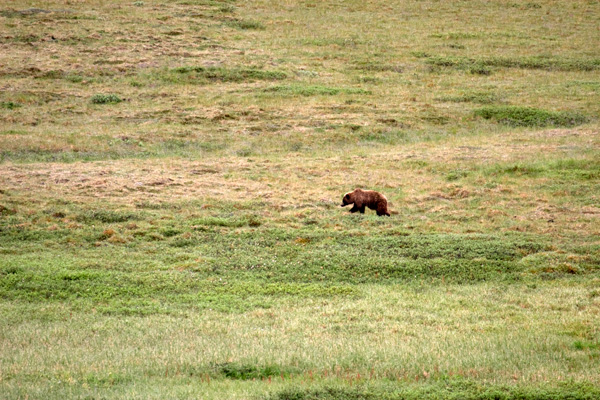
171, 174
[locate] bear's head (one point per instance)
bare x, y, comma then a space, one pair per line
347, 199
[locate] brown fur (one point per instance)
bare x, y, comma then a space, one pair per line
366, 198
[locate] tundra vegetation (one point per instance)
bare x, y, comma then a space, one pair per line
170, 181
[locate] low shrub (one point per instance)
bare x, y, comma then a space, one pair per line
106, 99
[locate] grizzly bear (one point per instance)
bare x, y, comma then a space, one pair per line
366, 198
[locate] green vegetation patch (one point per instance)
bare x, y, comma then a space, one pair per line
453, 389
245, 24
274, 256
565, 169
530, 117
231, 222
457, 35
483, 64
373, 66
106, 99
388, 136
553, 264
11, 13
7, 211
474, 97
121, 287
238, 371
312, 90
147, 267
198, 74
107, 216
9, 105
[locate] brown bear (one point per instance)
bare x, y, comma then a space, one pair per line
366, 198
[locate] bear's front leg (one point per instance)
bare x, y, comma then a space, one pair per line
382, 210
354, 209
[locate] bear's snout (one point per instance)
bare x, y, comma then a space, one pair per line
345, 200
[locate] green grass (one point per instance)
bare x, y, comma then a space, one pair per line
170, 184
